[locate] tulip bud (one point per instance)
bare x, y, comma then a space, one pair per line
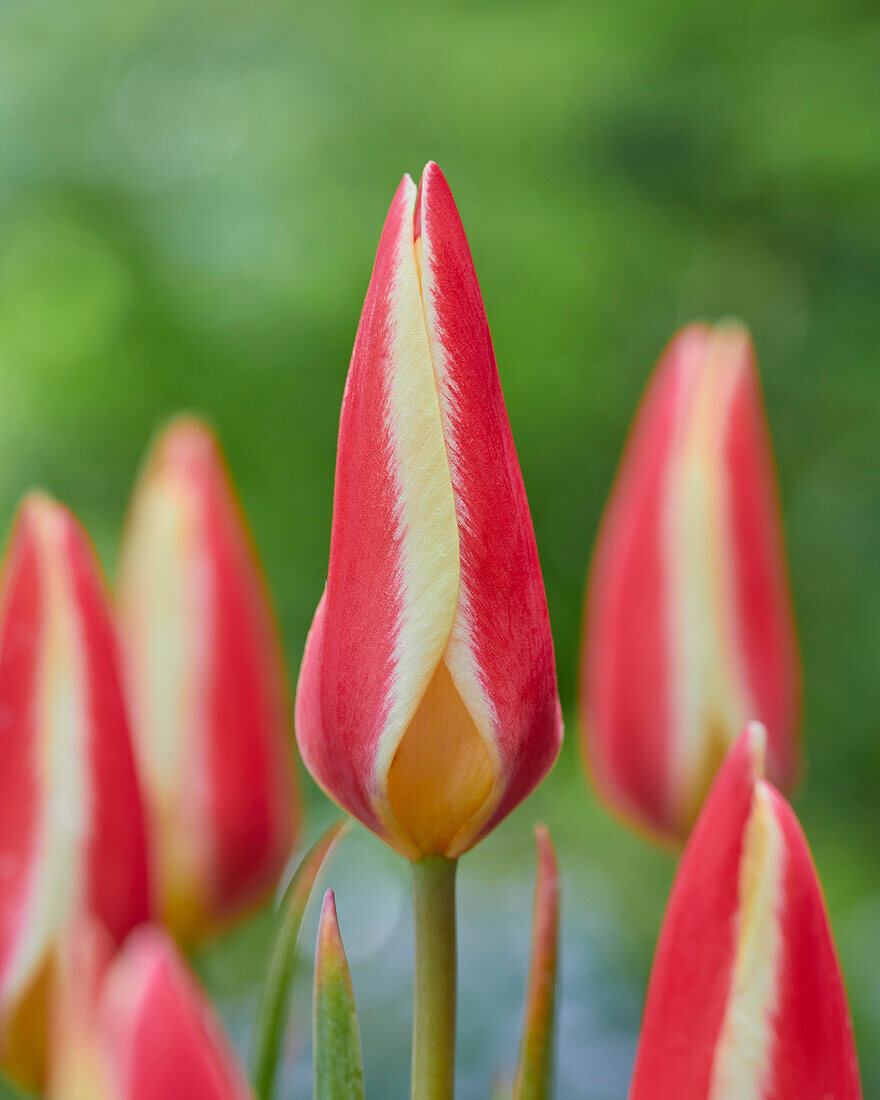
689, 630
142, 1030
746, 999
204, 676
427, 703
77, 1069
71, 825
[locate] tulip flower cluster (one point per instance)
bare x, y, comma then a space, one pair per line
147, 792
146, 762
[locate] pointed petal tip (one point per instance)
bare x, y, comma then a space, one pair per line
733, 323
37, 508
35, 499
183, 441
730, 338
733, 329
700, 328
147, 945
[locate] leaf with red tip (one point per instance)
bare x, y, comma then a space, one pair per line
337, 1045
746, 999
278, 988
534, 1076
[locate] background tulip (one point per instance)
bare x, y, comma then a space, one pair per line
427, 703
205, 685
746, 999
139, 1028
77, 1062
71, 827
688, 629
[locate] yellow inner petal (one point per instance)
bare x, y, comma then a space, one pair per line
24, 1038
718, 735
441, 773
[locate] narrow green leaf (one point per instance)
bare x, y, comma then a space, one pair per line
337, 1046
277, 990
534, 1074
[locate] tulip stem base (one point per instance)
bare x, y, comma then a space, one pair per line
433, 1061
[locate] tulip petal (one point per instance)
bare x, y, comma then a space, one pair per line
161, 1036
767, 640
337, 1044
500, 652
746, 999
77, 1069
392, 585
689, 630
204, 673
71, 824
534, 1075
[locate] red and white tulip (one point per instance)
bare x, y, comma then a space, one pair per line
72, 836
137, 1027
427, 703
206, 687
746, 999
689, 630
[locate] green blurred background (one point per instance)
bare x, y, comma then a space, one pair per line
190, 199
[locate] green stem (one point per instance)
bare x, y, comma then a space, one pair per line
433, 1061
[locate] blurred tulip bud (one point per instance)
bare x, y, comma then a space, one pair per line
72, 834
204, 675
139, 1028
76, 1065
746, 999
689, 631
427, 703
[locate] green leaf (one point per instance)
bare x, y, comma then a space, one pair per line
534, 1075
275, 1003
337, 1046
9, 1091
